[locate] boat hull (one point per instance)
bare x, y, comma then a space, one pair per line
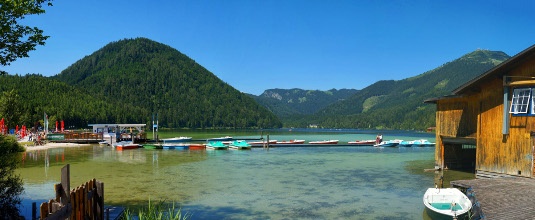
446, 203
291, 142
197, 146
362, 143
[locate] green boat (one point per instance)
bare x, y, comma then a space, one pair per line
240, 145
152, 146
216, 145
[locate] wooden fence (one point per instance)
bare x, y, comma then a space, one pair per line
83, 202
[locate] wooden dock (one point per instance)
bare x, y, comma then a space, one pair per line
503, 197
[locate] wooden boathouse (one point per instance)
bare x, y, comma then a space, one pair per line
488, 124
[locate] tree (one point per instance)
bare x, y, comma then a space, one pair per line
17, 40
10, 108
10, 183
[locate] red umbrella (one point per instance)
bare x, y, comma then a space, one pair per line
56, 126
62, 125
16, 129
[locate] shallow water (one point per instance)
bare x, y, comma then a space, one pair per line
279, 183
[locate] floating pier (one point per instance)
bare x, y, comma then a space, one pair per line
502, 197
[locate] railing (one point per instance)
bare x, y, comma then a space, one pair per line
83, 202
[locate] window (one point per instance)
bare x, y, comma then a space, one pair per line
521, 101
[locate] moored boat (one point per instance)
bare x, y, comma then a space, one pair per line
216, 145
152, 146
262, 142
390, 143
362, 142
291, 142
125, 145
324, 142
177, 140
446, 202
240, 145
175, 146
226, 138
197, 146
406, 143
423, 143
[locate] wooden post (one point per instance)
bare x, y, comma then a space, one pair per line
34, 211
267, 142
65, 184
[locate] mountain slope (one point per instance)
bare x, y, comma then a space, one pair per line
399, 104
160, 79
290, 102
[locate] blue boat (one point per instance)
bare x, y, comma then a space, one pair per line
422, 143
175, 146
391, 143
216, 145
406, 143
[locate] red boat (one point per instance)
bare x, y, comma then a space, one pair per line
126, 146
324, 142
363, 142
197, 146
291, 142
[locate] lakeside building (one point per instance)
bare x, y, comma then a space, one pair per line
488, 124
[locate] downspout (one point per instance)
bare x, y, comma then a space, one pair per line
505, 125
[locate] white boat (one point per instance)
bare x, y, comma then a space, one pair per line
446, 202
177, 140
391, 143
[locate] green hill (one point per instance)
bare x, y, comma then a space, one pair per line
399, 104
129, 80
292, 102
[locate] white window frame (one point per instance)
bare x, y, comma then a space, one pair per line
520, 101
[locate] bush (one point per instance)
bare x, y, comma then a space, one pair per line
10, 184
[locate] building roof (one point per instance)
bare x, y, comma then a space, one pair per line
498, 71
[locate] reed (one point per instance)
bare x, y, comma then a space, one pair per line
159, 211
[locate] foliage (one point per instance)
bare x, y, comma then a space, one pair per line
156, 212
400, 105
10, 183
10, 107
17, 40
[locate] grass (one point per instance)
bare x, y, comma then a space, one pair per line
159, 211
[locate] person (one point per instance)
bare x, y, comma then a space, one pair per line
377, 139
380, 138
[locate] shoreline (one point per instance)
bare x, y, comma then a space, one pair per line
51, 145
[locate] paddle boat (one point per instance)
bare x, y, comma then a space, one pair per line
125, 145
197, 146
291, 142
216, 145
406, 143
240, 145
362, 143
175, 146
423, 143
152, 146
446, 203
390, 143
324, 142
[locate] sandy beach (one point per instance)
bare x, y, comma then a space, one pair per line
52, 145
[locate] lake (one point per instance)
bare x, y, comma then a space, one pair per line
341, 182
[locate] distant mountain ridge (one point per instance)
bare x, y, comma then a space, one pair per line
288, 102
398, 104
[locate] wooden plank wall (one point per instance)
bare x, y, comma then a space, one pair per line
510, 154
83, 202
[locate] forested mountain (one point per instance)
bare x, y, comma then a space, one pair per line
133, 78
39, 95
398, 104
291, 102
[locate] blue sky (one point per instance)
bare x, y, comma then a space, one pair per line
256, 45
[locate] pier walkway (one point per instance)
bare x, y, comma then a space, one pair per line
503, 197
